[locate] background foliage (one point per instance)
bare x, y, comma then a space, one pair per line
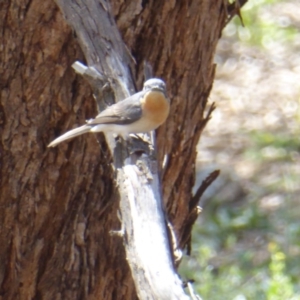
246, 244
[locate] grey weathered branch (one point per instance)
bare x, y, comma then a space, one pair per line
142, 216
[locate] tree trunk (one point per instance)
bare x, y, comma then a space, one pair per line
58, 206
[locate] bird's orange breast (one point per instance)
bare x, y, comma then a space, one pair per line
155, 107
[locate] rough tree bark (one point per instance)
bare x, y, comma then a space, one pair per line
58, 207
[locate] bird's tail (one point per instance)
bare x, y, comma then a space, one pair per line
70, 134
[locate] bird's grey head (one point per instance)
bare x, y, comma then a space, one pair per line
155, 84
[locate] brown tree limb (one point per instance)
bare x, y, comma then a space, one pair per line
202, 188
56, 215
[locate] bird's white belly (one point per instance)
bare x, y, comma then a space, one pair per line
136, 127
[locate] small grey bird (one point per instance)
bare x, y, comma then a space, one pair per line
139, 113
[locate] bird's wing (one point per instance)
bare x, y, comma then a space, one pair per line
124, 112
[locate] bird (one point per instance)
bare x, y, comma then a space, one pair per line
141, 112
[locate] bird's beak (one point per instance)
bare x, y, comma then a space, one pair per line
158, 88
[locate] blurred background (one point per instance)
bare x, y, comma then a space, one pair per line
246, 244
